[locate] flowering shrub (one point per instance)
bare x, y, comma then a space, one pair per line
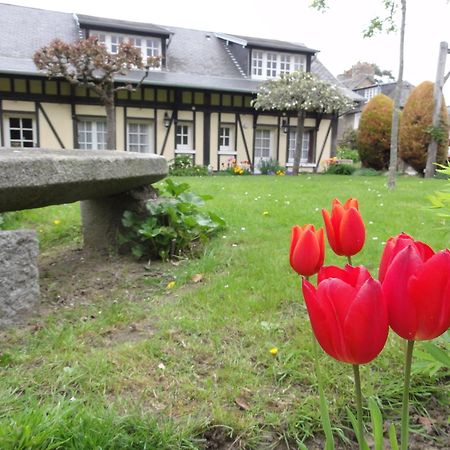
243, 168
270, 167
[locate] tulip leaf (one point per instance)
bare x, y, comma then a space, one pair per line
437, 353
393, 437
377, 423
362, 445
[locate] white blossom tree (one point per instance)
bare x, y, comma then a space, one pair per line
301, 92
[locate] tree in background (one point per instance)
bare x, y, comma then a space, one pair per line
88, 63
301, 92
388, 24
374, 133
416, 130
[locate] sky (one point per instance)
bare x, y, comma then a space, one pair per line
337, 33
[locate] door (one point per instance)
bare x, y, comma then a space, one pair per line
263, 147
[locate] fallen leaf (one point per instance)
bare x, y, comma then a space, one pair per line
242, 403
197, 278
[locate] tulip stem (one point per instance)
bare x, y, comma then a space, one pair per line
349, 259
326, 424
405, 403
360, 435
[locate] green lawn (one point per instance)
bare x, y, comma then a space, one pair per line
200, 372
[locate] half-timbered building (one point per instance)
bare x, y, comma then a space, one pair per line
198, 102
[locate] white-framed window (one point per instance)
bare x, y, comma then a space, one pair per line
153, 48
263, 144
304, 158
183, 137
226, 139
371, 92
271, 65
91, 134
149, 47
139, 137
285, 64
20, 130
257, 64
116, 40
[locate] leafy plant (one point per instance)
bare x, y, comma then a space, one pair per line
183, 165
270, 167
175, 225
348, 153
340, 169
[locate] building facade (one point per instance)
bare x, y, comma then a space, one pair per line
198, 103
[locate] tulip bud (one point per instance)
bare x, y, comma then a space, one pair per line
345, 228
395, 245
307, 250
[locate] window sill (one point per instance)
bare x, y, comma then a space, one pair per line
184, 151
301, 164
228, 153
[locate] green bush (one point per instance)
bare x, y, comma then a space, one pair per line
374, 133
270, 167
340, 169
348, 153
415, 128
176, 224
367, 172
183, 165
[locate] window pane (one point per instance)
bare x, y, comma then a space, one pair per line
27, 123
28, 134
14, 122
28, 144
15, 134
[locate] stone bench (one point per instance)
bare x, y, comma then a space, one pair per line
106, 182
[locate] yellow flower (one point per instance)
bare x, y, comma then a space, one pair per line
273, 351
170, 285
265, 213
56, 222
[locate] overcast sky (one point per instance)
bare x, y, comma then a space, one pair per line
337, 33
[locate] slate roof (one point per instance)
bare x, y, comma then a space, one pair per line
389, 90
195, 58
24, 30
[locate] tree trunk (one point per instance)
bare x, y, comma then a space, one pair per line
438, 86
395, 113
110, 122
299, 142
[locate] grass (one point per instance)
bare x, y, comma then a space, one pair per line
199, 371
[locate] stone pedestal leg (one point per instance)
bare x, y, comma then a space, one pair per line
102, 218
19, 280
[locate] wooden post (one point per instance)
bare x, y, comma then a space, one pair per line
438, 86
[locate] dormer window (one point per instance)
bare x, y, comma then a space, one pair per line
149, 47
267, 65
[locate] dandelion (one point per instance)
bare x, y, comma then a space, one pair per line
170, 284
56, 222
273, 351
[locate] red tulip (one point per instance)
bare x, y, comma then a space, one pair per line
348, 313
395, 245
345, 228
417, 292
307, 249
